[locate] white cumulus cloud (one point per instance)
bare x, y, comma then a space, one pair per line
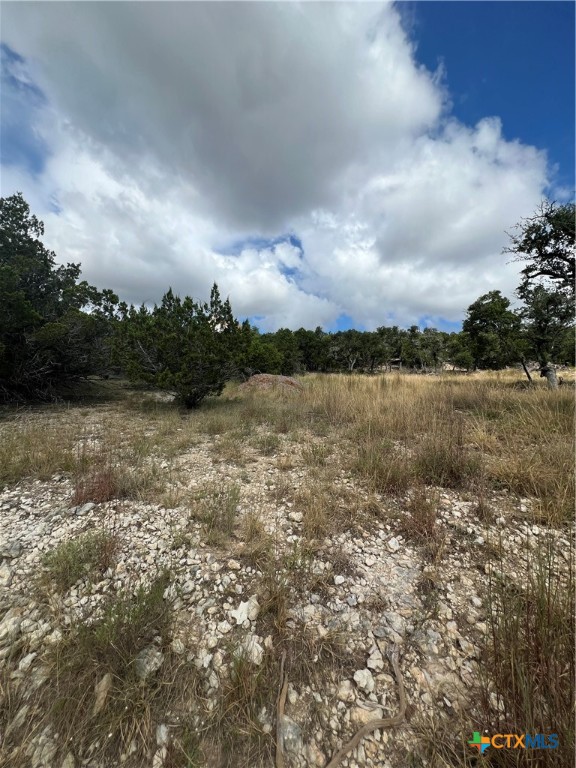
177, 129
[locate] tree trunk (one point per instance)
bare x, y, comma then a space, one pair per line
548, 372
527, 372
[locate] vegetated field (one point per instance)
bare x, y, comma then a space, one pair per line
165, 572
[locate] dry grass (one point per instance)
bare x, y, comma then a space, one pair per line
399, 436
129, 712
259, 545
391, 430
216, 506
236, 734
38, 447
327, 509
530, 658
420, 523
454, 432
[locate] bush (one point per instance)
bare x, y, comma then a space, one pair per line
182, 346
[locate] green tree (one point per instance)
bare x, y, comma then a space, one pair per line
411, 349
493, 331
458, 350
548, 318
181, 346
391, 343
286, 343
346, 349
53, 329
546, 241
313, 348
433, 344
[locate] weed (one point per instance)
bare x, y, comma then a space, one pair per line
216, 506
316, 454
382, 466
258, 543
267, 444
86, 556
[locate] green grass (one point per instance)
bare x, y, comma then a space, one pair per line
89, 555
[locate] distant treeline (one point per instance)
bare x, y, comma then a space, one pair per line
56, 329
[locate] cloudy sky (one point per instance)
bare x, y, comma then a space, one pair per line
334, 164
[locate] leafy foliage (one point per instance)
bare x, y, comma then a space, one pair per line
547, 242
46, 339
181, 346
493, 330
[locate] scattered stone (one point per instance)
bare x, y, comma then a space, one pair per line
68, 761
178, 646
11, 550
248, 610
159, 757
375, 661
26, 662
345, 691
291, 735
5, 575
364, 680
101, 691
162, 735
388, 592
148, 661
360, 715
85, 508
252, 649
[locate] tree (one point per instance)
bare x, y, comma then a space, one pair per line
286, 343
313, 348
46, 339
458, 351
493, 331
547, 242
182, 346
434, 347
548, 316
411, 352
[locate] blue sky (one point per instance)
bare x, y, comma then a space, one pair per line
511, 59
342, 165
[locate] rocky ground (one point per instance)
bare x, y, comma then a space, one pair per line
362, 590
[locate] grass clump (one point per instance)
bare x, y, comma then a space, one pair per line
442, 459
384, 467
241, 724
216, 506
29, 449
110, 482
259, 545
102, 701
89, 555
530, 656
420, 523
